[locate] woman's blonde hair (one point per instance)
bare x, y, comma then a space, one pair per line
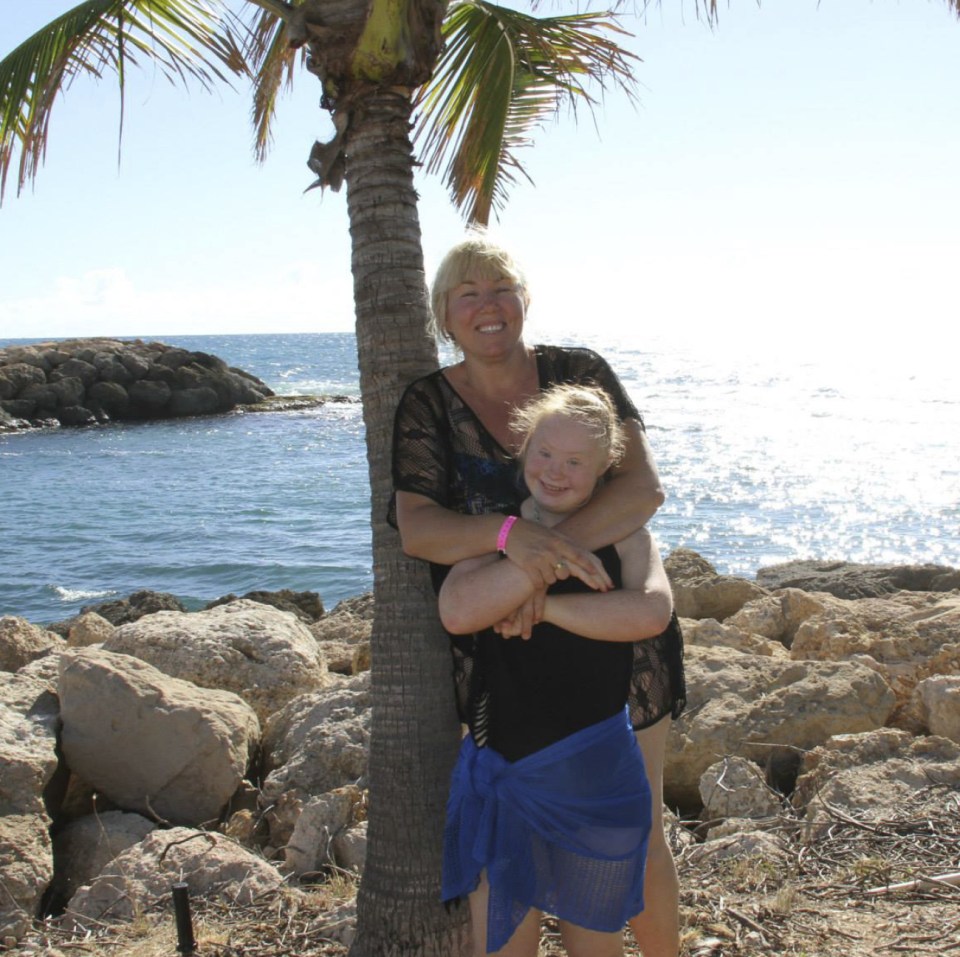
588, 405
476, 257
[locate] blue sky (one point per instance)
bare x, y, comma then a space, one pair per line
787, 176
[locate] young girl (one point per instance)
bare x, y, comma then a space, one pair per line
550, 807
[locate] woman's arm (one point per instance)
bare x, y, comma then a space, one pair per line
437, 534
641, 609
625, 502
441, 535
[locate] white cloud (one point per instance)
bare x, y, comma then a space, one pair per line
108, 302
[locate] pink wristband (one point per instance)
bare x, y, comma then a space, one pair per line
508, 523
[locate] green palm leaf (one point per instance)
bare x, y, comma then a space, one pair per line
187, 39
273, 63
502, 74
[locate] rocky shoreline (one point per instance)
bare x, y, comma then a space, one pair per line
80, 382
817, 690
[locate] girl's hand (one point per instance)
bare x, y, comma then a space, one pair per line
520, 623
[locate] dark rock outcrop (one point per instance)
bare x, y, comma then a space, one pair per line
850, 580
85, 381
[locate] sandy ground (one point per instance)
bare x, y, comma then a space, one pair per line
815, 899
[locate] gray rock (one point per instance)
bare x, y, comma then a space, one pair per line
765, 709
884, 774
111, 398
21, 642
75, 368
735, 788
138, 878
148, 399
86, 845
26, 863
151, 743
319, 741
28, 761
851, 580
264, 655
80, 381
135, 606
14, 378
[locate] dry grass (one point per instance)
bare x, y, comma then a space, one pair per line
813, 901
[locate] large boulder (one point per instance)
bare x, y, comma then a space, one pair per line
767, 710
31, 693
886, 774
212, 865
908, 636
29, 720
700, 592
88, 628
151, 743
264, 655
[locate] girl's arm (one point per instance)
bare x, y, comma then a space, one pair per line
641, 609
479, 592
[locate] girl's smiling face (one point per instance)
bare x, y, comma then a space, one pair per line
562, 463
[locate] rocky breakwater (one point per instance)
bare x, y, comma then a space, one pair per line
139, 742
85, 381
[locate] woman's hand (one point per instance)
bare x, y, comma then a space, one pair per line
548, 556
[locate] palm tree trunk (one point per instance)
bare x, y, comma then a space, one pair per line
415, 730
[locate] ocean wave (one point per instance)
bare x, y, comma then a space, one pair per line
71, 595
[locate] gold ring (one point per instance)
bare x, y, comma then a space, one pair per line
559, 565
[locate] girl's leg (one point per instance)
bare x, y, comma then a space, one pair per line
525, 941
657, 928
580, 942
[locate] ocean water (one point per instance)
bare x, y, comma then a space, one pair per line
764, 459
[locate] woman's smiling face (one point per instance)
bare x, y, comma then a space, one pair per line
562, 464
484, 314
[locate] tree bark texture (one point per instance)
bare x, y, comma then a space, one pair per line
415, 730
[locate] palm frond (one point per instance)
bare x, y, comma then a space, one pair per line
272, 62
190, 40
502, 73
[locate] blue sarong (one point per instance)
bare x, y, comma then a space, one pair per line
563, 830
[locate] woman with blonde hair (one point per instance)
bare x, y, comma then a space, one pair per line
457, 497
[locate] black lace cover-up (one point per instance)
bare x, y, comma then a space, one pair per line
442, 451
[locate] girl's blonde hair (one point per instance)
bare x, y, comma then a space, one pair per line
476, 257
588, 405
